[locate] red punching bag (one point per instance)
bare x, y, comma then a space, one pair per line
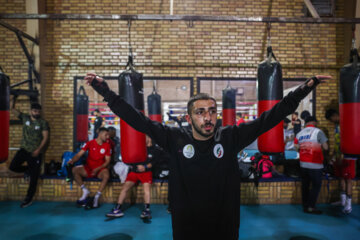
4, 116
228, 104
270, 92
133, 143
82, 114
349, 101
154, 106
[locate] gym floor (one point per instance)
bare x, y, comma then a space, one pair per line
63, 220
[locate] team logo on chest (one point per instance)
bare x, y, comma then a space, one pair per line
102, 151
218, 150
188, 151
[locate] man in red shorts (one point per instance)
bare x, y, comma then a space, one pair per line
138, 172
99, 154
344, 165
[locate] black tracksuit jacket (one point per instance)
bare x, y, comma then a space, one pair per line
205, 184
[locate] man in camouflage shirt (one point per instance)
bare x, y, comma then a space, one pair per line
35, 136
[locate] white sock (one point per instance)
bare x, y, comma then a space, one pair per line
96, 199
343, 199
348, 203
85, 193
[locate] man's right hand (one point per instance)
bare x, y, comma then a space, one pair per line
91, 77
97, 83
141, 168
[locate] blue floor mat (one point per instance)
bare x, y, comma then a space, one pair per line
63, 220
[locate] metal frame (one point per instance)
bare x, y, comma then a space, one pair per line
161, 17
31, 92
17, 31
76, 78
31, 67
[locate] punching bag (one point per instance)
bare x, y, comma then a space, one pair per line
349, 106
4, 116
82, 114
270, 92
228, 104
154, 106
133, 143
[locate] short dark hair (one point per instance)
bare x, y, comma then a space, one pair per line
35, 106
199, 96
304, 114
330, 112
112, 129
296, 113
310, 119
103, 129
97, 110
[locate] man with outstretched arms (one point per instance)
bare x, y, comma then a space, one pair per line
205, 177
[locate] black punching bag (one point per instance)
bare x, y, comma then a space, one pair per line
154, 106
82, 114
133, 143
229, 105
4, 116
270, 92
349, 101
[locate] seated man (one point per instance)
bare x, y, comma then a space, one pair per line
138, 172
96, 165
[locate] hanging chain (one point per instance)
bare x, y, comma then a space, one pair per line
353, 42
129, 38
268, 34
154, 87
130, 63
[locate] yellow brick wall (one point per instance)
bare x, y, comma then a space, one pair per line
265, 193
164, 48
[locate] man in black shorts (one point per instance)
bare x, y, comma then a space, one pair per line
205, 177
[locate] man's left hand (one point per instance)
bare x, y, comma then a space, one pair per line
95, 171
322, 79
35, 153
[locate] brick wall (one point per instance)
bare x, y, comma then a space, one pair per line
265, 193
161, 48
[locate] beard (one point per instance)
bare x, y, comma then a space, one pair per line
36, 116
199, 128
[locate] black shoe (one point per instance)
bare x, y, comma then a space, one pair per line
27, 202
312, 211
26, 177
146, 214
